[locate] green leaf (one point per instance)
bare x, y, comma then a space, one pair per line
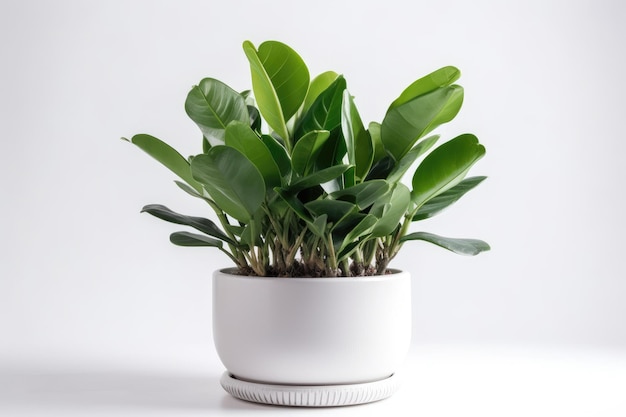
255, 119
193, 239
442, 77
347, 251
359, 145
437, 204
241, 137
343, 226
469, 247
363, 194
235, 230
307, 149
198, 223
349, 178
318, 177
247, 95
334, 209
279, 153
405, 124
232, 181
205, 145
333, 150
167, 156
364, 227
374, 130
325, 112
189, 190
213, 105
390, 209
295, 204
318, 227
381, 169
445, 167
251, 235
318, 85
280, 80
411, 156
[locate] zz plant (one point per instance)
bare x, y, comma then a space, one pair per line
300, 185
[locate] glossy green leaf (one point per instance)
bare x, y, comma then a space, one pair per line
333, 150
390, 210
194, 239
347, 251
349, 178
241, 137
255, 118
318, 227
318, 177
213, 105
405, 124
279, 153
381, 169
235, 230
167, 156
469, 247
231, 180
364, 227
294, 204
325, 112
247, 96
374, 129
306, 151
334, 209
251, 234
437, 204
343, 226
318, 85
363, 194
411, 156
359, 145
198, 223
189, 190
205, 145
280, 80
442, 77
445, 167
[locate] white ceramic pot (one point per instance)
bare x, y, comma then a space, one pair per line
311, 331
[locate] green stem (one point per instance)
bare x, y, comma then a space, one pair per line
369, 250
331, 257
239, 259
277, 227
235, 260
345, 267
291, 255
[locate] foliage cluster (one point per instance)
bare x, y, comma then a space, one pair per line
300, 185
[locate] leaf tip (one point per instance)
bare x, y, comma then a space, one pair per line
247, 45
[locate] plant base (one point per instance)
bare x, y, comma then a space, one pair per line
310, 395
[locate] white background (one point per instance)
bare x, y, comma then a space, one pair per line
84, 275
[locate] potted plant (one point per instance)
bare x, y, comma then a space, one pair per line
311, 206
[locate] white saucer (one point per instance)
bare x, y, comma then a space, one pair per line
310, 395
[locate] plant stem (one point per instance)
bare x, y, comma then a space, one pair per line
331, 259
239, 259
291, 255
345, 267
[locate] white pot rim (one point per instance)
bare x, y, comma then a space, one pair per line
391, 274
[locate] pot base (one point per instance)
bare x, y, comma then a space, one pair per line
310, 395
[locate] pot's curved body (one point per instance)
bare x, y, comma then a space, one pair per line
311, 331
